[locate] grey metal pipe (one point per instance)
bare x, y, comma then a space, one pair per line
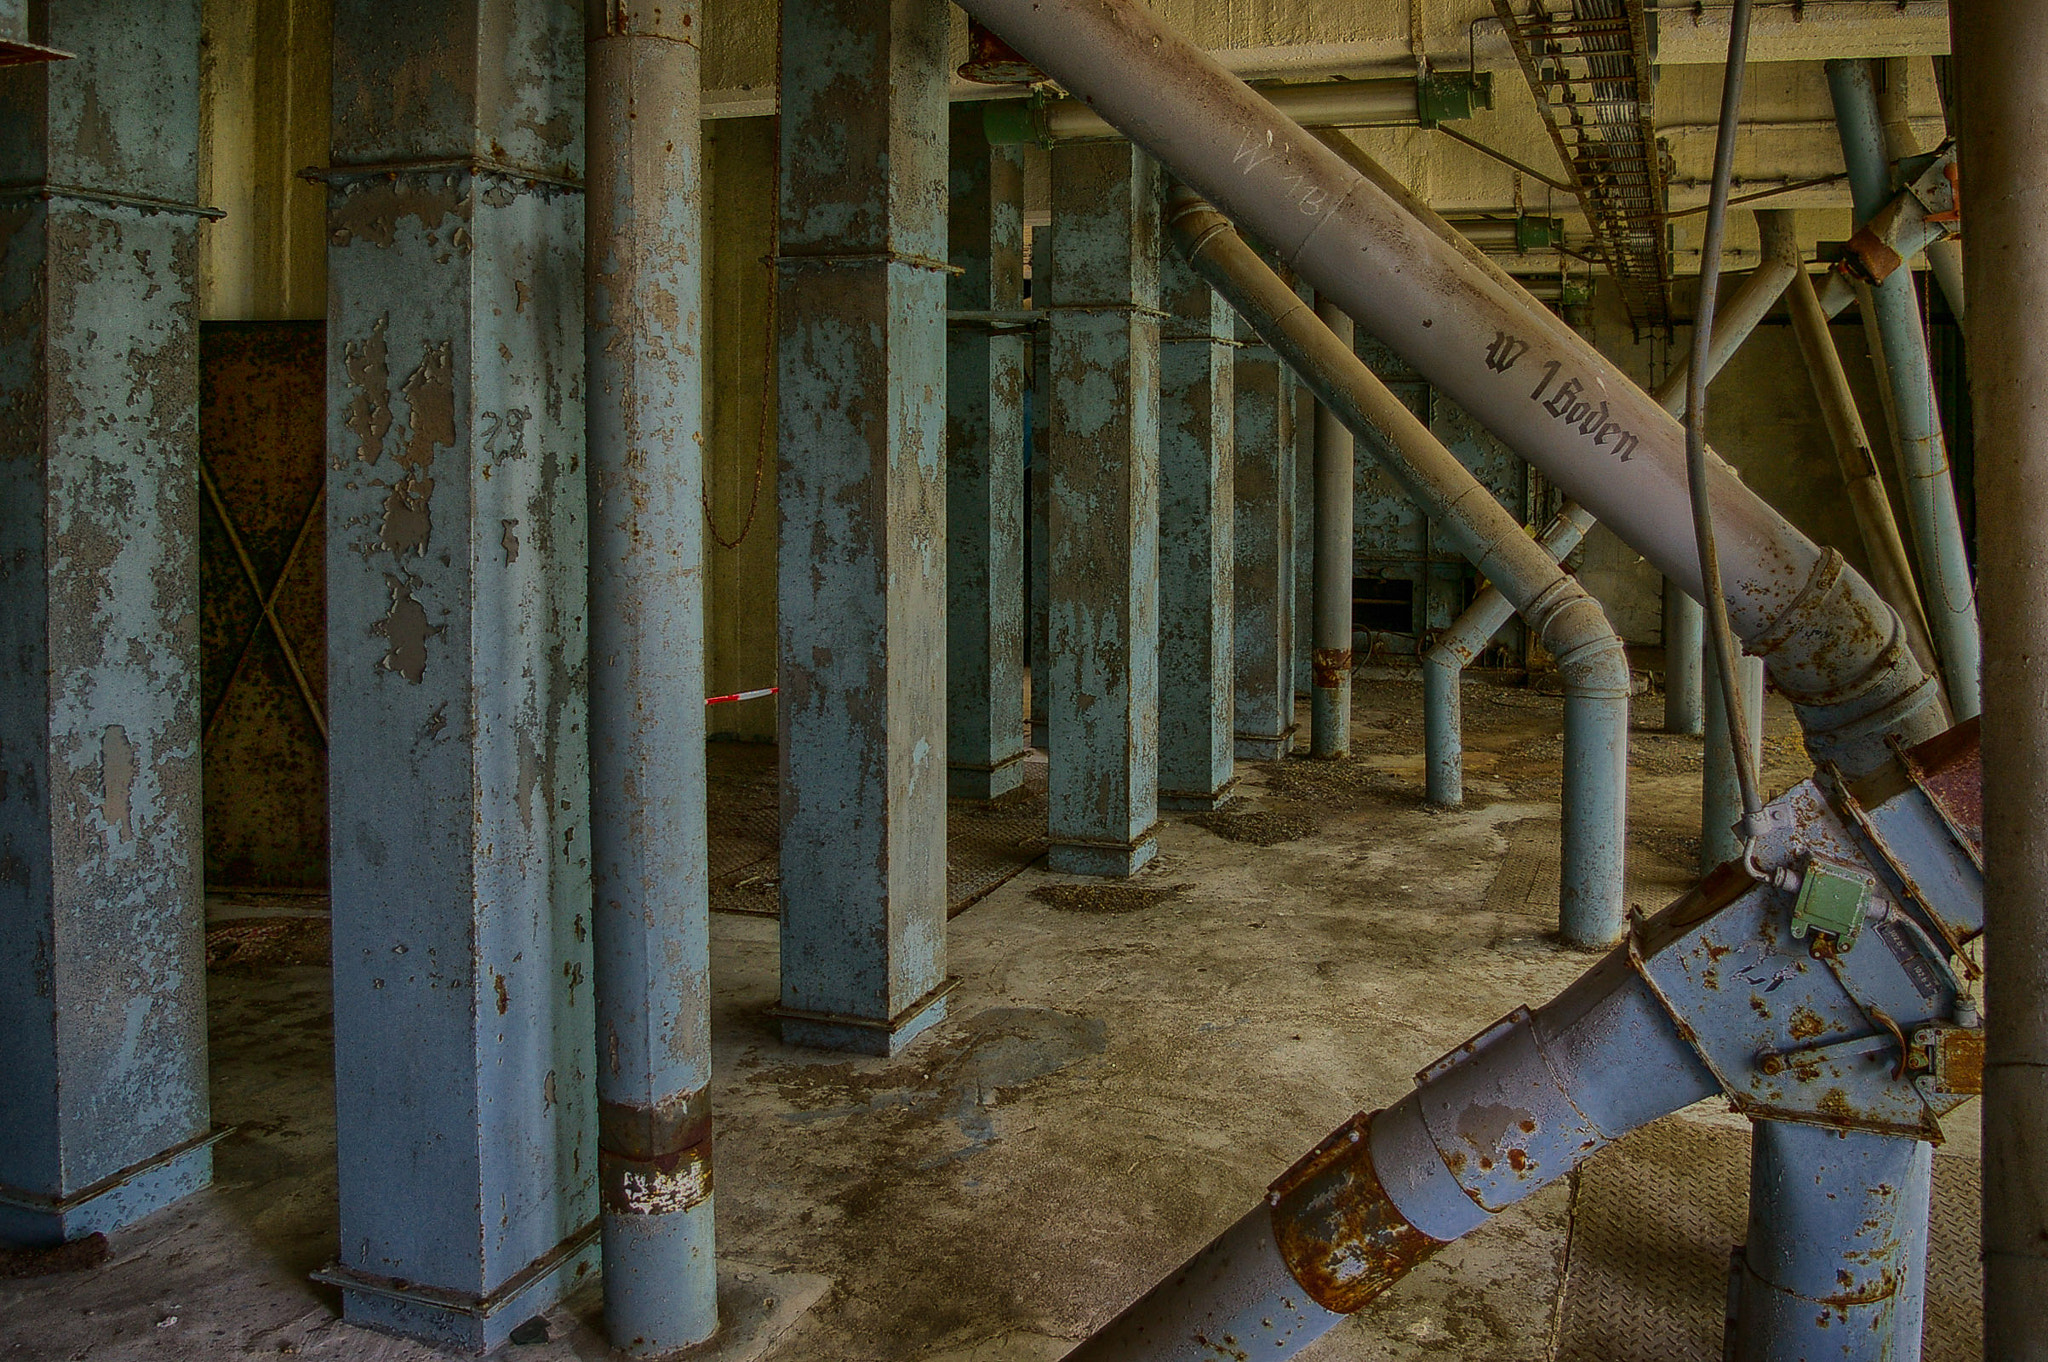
650, 910
2002, 48
1944, 255
1570, 622
1832, 644
1950, 597
1720, 795
1393, 101
1457, 647
1891, 571
1335, 455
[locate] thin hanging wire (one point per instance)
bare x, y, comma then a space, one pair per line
1720, 636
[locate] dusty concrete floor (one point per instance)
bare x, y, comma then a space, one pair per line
1121, 1075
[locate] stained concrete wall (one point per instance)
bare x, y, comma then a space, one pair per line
263, 119
739, 421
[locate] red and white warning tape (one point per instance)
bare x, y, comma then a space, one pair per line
741, 695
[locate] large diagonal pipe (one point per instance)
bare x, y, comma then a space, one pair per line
1443, 664
1832, 645
1571, 623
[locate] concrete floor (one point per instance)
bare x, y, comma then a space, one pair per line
1121, 1075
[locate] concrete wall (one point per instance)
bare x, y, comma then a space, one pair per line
739, 422
263, 119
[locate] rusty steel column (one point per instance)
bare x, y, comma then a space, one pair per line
1102, 517
1263, 552
2002, 55
1196, 660
862, 490
985, 738
651, 912
456, 563
1329, 729
102, 916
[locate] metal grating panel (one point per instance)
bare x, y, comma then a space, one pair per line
1589, 68
1653, 1220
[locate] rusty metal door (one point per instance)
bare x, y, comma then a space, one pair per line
263, 603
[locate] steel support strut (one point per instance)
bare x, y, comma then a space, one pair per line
650, 916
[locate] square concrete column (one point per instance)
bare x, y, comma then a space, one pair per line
102, 920
862, 491
1263, 478
1103, 512
985, 738
1040, 568
458, 776
1197, 685
1304, 523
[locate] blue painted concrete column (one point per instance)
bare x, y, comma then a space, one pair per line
985, 738
1103, 515
456, 561
1303, 519
1197, 403
862, 492
1040, 567
650, 914
102, 923
1263, 481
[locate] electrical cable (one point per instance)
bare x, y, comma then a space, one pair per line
1720, 636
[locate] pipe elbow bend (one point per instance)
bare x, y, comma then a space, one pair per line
1590, 656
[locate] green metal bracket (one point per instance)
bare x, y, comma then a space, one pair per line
1831, 900
1442, 96
1538, 234
1010, 122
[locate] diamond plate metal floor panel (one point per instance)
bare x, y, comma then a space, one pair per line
1653, 1220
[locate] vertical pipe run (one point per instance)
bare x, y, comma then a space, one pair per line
1335, 452
650, 914
2002, 50
1720, 794
1931, 514
1836, 1251
1683, 641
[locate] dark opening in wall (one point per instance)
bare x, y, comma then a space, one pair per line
1384, 605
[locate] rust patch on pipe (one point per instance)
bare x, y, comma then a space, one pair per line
1341, 1237
1332, 667
654, 1160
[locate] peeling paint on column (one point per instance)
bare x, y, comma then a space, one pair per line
985, 570
1103, 510
458, 781
102, 991
861, 493
1197, 684
1263, 551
